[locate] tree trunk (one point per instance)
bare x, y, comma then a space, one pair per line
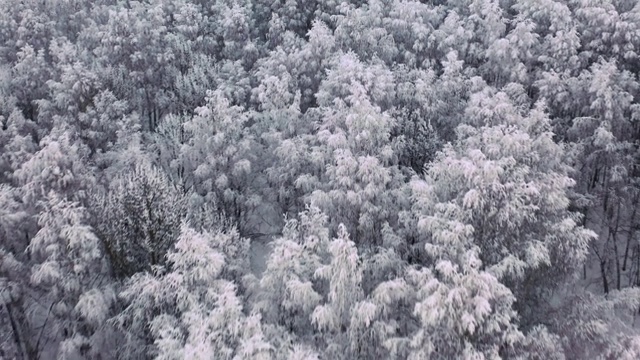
618, 272
613, 232
18, 321
632, 231
637, 252
603, 271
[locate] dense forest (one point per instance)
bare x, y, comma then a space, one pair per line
319, 179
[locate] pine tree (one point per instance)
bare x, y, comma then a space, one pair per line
138, 218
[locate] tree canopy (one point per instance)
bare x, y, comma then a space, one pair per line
358, 179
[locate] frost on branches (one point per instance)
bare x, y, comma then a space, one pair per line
358, 179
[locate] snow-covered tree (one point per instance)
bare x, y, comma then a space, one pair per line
343, 318
69, 266
517, 120
17, 336
495, 204
218, 159
188, 308
138, 218
354, 177
287, 297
